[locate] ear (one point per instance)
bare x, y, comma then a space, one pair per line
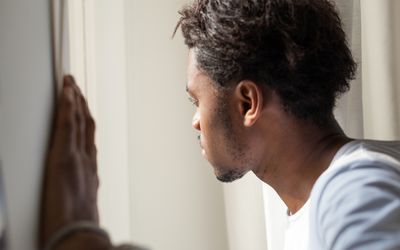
250, 101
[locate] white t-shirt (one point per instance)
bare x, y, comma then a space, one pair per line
355, 203
296, 233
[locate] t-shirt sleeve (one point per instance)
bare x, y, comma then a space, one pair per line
359, 208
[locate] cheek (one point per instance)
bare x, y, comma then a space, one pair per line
204, 128
214, 128
213, 135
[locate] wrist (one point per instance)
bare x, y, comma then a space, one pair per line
82, 235
85, 240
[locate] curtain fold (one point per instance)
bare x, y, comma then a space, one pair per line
245, 214
349, 108
380, 37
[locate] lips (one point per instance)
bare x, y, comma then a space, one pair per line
203, 151
199, 139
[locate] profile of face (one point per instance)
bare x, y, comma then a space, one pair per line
221, 137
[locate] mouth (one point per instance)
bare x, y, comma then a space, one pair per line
199, 139
203, 151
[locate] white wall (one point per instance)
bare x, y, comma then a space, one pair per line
177, 204
26, 93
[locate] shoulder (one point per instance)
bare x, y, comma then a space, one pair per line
357, 183
361, 163
358, 201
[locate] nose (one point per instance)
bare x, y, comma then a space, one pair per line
196, 121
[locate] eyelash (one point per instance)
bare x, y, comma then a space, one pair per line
193, 101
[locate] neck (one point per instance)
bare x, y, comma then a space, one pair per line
300, 153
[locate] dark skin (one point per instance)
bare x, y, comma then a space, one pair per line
283, 151
71, 181
311, 148
286, 153
299, 151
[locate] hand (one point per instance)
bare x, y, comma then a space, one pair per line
70, 178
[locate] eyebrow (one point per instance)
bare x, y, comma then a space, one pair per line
189, 91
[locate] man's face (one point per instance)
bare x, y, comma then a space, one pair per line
221, 138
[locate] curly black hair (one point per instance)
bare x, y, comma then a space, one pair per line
296, 47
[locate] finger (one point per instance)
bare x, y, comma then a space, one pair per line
80, 123
71, 81
90, 129
65, 115
89, 124
79, 114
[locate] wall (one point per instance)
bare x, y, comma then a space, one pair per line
177, 204
25, 106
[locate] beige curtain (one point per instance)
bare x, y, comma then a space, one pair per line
245, 214
371, 110
381, 65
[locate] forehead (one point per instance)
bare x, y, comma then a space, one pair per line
196, 78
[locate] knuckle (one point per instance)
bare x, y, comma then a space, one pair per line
79, 121
66, 104
66, 125
67, 96
71, 160
93, 152
91, 124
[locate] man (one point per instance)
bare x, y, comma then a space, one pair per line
264, 76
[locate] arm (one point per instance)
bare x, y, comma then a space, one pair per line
360, 209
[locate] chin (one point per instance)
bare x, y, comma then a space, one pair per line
229, 176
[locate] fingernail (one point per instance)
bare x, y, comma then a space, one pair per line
68, 80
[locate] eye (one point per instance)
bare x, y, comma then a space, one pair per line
193, 101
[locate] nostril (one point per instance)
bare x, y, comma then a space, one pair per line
196, 125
